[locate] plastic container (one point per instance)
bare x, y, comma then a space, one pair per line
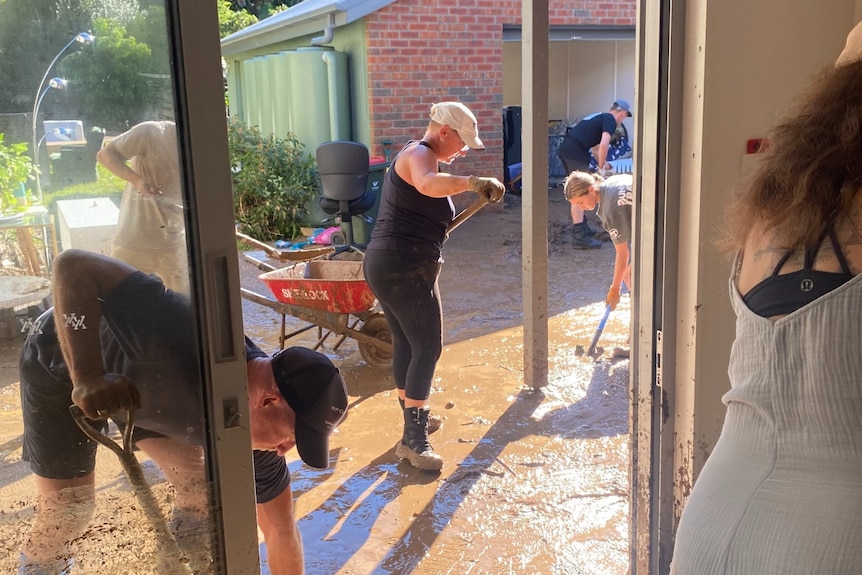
377, 167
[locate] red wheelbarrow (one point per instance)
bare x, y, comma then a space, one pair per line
333, 296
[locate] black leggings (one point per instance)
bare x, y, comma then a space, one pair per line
407, 290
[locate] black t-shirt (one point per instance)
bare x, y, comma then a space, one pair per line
147, 334
586, 134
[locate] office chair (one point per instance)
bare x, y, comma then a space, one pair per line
343, 167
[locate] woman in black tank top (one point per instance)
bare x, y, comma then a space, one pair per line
403, 259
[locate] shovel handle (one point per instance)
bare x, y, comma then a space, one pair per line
172, 555
467, 213
599, 330
100, 437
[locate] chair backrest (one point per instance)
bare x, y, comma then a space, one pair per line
343, 169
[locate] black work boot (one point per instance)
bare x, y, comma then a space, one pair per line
582, 239
414, 446
435, 422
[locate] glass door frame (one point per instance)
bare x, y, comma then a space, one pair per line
658, 126
213, 261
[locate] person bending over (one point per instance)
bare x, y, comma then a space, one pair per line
117, 340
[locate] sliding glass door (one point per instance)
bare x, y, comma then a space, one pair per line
113, 158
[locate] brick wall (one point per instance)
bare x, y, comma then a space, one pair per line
426, 51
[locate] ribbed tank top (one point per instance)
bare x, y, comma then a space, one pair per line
409, 221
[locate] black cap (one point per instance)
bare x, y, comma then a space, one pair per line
315, 391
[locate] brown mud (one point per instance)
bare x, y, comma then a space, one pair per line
534, 481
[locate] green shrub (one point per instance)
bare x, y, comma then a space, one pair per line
16, 168
274, 180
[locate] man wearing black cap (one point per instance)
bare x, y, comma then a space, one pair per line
118, 341
594, 131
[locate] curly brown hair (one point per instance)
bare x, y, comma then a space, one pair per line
811, 169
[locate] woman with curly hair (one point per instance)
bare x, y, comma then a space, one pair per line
782, 490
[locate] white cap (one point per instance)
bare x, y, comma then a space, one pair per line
458, 117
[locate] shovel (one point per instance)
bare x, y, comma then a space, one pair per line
469, 211
170, 554
592, 349
295, 255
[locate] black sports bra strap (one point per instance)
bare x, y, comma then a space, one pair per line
838, 253
811, 253
781, 262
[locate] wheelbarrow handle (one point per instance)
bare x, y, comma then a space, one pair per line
468, 212
270, 251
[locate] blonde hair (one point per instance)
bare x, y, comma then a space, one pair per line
578, 184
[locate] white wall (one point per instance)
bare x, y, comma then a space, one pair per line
745, 61
585, 77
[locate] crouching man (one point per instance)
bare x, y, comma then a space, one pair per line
117, 340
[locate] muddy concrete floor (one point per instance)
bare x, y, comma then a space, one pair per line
534, 481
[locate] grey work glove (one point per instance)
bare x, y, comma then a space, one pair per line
491, 189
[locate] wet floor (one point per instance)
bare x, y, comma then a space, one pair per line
534, 481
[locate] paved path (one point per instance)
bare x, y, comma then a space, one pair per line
17, 291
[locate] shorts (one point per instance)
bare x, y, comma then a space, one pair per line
170, 265
53, 444
571, 165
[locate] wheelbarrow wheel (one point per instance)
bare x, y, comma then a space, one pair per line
376, 327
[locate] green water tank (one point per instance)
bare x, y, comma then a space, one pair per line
281, 109
305, 92
251, 105
319, 96
264, 93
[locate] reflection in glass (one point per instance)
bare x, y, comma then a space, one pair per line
96, 168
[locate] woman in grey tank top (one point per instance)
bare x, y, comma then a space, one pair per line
782, 490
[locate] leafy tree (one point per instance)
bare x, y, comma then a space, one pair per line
149, 27
107, 83
274, 180
32, 32
263, 8
231, 21
120, 11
